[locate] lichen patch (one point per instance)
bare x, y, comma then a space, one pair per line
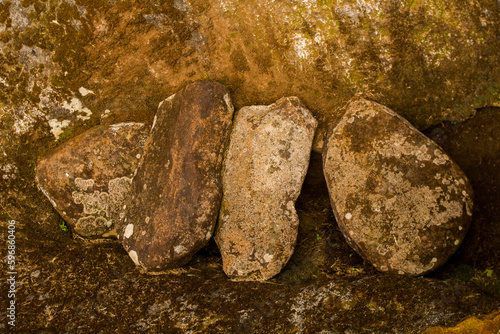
129, 230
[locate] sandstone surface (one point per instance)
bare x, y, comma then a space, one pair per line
400, 201
87, 178
69, 65
264, 169
176, 192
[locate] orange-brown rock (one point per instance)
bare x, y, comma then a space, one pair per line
399, 200
176, 193
87, 178
264, 169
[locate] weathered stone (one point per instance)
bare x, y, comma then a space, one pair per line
176, 193
87, 178
400, 201
264, 169
69, 64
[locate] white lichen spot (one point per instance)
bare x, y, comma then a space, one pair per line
98, 206
83, 184
434, 260
25, 118
9, 171
84, 91
57, 127
179, 249
154, 120
129, 230
134, 257
106, 113
121, 126
268, 257
75, 106
208, 235
384, 268
400, 272
229, 105
460, 228
457, 242
301, 46
441, 158
138, 156
348, 216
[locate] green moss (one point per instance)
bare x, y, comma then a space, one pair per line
487, 280
490, 97
65, 134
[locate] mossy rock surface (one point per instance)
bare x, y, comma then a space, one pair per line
67, 65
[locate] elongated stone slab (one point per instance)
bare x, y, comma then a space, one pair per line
87, 178
399, 200
264, 169
176, 193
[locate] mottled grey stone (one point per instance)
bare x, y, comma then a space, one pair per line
399, 200
176, 193
87, 178
264, 169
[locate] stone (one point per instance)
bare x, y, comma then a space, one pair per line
87, 178
399, 200
264, 169
69, 64
176, 192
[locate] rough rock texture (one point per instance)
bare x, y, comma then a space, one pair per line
398, 198
488, 325
72, 287
264, 169
62, 61
87, 178
176, 193
68, 65
475, 146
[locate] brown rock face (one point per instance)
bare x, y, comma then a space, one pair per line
400, 201
87, 178
264, 169
176, 193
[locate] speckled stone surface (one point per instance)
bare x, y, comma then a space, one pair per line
264, 169
399, 200
87, 178
176, 193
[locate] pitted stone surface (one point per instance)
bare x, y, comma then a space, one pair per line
264, 169
87, 178
400, 201
176, 193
